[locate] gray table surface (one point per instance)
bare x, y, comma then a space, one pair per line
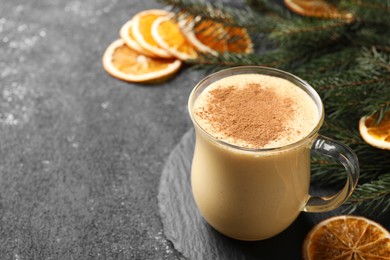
81, 153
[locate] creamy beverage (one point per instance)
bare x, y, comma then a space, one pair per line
244, 191
251, 167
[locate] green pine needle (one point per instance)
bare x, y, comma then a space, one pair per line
371, 197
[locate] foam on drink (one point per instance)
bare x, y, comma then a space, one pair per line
256, 111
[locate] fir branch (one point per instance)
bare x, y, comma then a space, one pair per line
270, 8
341, 82
199, 8
371, 197
229, 16
361, 88
280, 58
348, 97
373, 11
346, 61
336, 60
373, 36
374, 61
309, 32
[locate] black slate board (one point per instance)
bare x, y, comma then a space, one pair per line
195, 239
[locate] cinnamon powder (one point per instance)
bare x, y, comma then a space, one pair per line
251, 113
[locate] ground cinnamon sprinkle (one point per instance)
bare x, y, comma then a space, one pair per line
251, 114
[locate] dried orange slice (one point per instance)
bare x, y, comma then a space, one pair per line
167, 33
239, 40
142, 31
127, 36
347, 237
206, 35
377, 135
316, 8
124, 63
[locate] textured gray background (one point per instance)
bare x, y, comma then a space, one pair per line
81, 153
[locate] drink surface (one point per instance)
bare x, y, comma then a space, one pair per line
256, 111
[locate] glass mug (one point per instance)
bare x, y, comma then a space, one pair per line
254, 194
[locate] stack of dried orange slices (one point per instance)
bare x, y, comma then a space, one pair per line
153, 45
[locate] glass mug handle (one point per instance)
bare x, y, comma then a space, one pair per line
329, 148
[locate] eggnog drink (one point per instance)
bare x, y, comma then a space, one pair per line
251, 169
